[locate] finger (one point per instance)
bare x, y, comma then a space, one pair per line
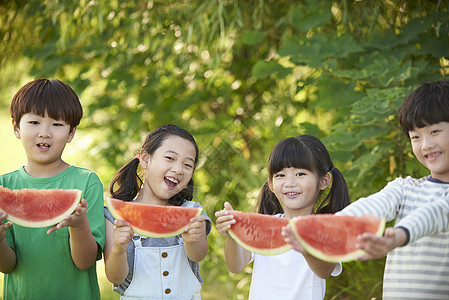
121, 223
51, 229
228, 206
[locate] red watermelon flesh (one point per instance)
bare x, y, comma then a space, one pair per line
154, 221
333, 238
38, 208
259, 233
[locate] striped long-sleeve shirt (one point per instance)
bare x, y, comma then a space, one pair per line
420, 269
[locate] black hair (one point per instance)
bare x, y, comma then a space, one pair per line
128, 179
304, 152
50, 96
426, 105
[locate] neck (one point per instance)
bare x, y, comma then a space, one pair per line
143, 197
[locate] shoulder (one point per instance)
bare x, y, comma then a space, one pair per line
108, 215
83, 172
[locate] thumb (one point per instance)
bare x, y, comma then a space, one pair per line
228, 206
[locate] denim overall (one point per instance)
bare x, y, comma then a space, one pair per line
162, 273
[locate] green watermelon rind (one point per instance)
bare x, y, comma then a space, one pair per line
272, 251
332, 258
116, 214
264, 251
53, 221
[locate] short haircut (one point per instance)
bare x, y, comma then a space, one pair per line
50, 96
426, 105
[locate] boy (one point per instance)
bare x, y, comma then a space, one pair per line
417, 263
57, 262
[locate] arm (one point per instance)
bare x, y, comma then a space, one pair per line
322, 269
195, 241
236, 257
7, 254
83, 246
427, 220
115, 257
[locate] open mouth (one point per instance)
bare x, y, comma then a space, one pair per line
171, 182
292, 194
43, 146
432, 156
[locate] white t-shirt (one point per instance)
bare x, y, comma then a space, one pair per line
286, 276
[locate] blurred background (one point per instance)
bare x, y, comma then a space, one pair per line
240, 76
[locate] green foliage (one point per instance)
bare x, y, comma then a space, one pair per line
240, 76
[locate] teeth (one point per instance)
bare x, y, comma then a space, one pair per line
43, 145
172, 180
292, 194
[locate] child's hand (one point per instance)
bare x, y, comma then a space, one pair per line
378, 246
224, 219
290, 239
122, 235
76, 219
5, 226
196, 230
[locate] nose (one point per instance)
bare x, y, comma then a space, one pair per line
177, 168
290, 181
427, 142
44, 133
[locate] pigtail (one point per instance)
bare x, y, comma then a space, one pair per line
268, 203
127, 180
338, 196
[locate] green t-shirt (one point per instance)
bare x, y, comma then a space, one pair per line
44, 268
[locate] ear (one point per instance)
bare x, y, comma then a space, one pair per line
16, 128
71, 135
325, 181
144, 158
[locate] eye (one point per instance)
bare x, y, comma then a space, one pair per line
436, 131
189, 166
33, 122
58, 124
300, 174
413, 136
169, 157
279, 175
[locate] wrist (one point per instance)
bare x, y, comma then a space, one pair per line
402, 236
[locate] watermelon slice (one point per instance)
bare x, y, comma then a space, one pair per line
154, 221
259, 233
38, 208
333, 238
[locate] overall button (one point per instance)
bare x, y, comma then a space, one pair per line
167, 291
164, 254
165, 273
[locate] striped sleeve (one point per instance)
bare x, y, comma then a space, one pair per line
428, 219
384, 204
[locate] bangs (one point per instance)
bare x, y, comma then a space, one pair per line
425, 106
290, 153
53, 97
426, 113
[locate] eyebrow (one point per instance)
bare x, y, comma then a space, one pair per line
174, 152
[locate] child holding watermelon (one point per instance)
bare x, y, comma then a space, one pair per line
300, 170
157, 268
60, 261
417, 264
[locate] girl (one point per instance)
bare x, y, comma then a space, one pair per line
300, 170
150, 268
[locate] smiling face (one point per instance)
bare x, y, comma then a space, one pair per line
430, 145
167, 171
44, 140
297, 190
